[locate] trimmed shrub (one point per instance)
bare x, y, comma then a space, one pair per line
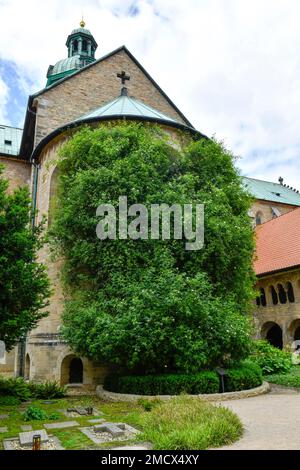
47, 390
248, 375
271, 360
169, 384
14, 388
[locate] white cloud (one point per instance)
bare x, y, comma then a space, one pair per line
232, 66
3, 102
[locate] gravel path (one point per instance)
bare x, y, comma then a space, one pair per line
271, 422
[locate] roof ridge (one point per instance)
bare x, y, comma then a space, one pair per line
263, 181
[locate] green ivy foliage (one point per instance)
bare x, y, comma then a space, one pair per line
150, 306
24, 285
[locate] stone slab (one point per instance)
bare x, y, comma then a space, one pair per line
3, 430
65, 424
127, 427
96, 421
91, 435
4, 416
27, 437
111, 428
26, 428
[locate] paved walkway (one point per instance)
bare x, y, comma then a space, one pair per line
271, 422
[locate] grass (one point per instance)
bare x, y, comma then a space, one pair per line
190, 424
288, 379
181, 423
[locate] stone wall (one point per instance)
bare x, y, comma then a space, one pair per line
92, 88
18, 172
8, 368
285, 315
265, 209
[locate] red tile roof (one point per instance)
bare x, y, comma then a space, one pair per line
278, 244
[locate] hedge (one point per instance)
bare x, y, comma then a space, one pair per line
169, 384
248, 375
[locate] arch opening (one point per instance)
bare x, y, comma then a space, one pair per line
71, 370
273, 334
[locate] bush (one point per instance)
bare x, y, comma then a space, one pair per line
14, 388
47, 390
270, 359
190, 424
248, 375
203, 382
9, 401
33, 413
288, 379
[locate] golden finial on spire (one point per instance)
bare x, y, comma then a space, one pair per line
82, 23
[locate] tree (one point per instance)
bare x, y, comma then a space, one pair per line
150, 305
24, 285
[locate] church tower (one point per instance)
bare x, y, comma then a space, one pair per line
81, 52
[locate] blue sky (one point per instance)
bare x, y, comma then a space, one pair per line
231, 66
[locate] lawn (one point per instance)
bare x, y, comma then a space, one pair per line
181, 423
288, 379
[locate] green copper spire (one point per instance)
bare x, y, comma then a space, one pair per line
81, 51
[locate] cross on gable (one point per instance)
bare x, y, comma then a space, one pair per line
123, 76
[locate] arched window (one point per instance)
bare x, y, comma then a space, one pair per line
274, 295
75, 45
258, 218
290, 292
282, 294
263, 299
258, 303
84, 45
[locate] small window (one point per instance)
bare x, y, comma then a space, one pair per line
290, 292
84, 45
274, 296
275, 212
282, 294
75, 45
8, 142
263, 298
258, 218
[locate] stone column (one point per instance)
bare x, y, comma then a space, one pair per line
285, 335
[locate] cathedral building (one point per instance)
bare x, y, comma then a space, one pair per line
81, 90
